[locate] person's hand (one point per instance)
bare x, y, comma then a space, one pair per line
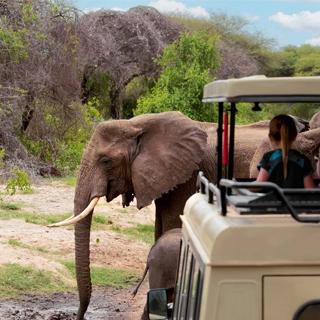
316, 157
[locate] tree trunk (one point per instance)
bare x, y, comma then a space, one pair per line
26, 118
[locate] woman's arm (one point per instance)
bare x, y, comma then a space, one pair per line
263, 175
308, 182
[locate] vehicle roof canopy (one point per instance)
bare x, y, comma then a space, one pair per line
260, 88
254, 89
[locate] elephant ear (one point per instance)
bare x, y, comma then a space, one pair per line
170, 150
260, 151
308, 143
315, 121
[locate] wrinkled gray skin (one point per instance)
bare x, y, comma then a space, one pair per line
151, 157
162, 264
315, 121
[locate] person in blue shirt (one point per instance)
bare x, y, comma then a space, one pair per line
286, 167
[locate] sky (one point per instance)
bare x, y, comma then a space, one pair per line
289, 22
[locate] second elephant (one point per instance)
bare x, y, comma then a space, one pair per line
162, 264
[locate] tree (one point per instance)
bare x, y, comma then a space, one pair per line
120, 47
186, 66
243, 53
308, 61
39, 96
283, 64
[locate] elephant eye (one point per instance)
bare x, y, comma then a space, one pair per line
106, 161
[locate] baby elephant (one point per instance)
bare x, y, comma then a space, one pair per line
162, 264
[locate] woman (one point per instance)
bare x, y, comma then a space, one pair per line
285, 166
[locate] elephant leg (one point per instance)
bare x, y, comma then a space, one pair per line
145, 315
170, 294
170, 206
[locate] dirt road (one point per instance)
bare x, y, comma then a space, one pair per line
114, 250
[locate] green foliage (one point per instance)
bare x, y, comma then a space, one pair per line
16, 280
2, 153
144, 232
187, 65
245, 115
138, 87
302, 110
14, 37
8, 206
233, 30
40, 147
67, 180
27, 13
63, 143
282, 65
12, 211
19, 181
295, 61
98, 92
308, 65
102, 277
15, 243
69, 153
92, 109
100, 222
14, 41
75, 139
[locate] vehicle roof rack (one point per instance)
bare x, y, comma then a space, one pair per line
302, 204
260, 88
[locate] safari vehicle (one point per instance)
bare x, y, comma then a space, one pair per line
245, 255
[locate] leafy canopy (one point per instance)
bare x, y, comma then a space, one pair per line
187, 65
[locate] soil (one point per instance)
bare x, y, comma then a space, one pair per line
112, 250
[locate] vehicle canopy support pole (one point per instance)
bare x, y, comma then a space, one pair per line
219, 143
233, 111
225, 143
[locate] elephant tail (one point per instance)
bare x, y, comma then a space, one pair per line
134, 292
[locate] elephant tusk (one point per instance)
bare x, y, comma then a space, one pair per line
74, 219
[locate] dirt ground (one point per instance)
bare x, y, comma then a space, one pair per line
112, 249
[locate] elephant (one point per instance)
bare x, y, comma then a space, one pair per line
152, 157
315, 121
162, 263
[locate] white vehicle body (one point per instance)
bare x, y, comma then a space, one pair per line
244, 255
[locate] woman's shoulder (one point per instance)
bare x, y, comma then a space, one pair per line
267, 154
298, 153
295, 154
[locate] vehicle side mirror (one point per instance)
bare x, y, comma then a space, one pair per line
157, 304
308, 311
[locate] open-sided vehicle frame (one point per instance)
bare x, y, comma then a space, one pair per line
245, 255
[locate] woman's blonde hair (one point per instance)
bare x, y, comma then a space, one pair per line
283, 129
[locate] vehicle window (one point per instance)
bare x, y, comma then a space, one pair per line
185, 284
308, 311
194, 289
189, 285
180, 280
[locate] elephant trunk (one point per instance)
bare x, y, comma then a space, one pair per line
82, 257
82, 241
